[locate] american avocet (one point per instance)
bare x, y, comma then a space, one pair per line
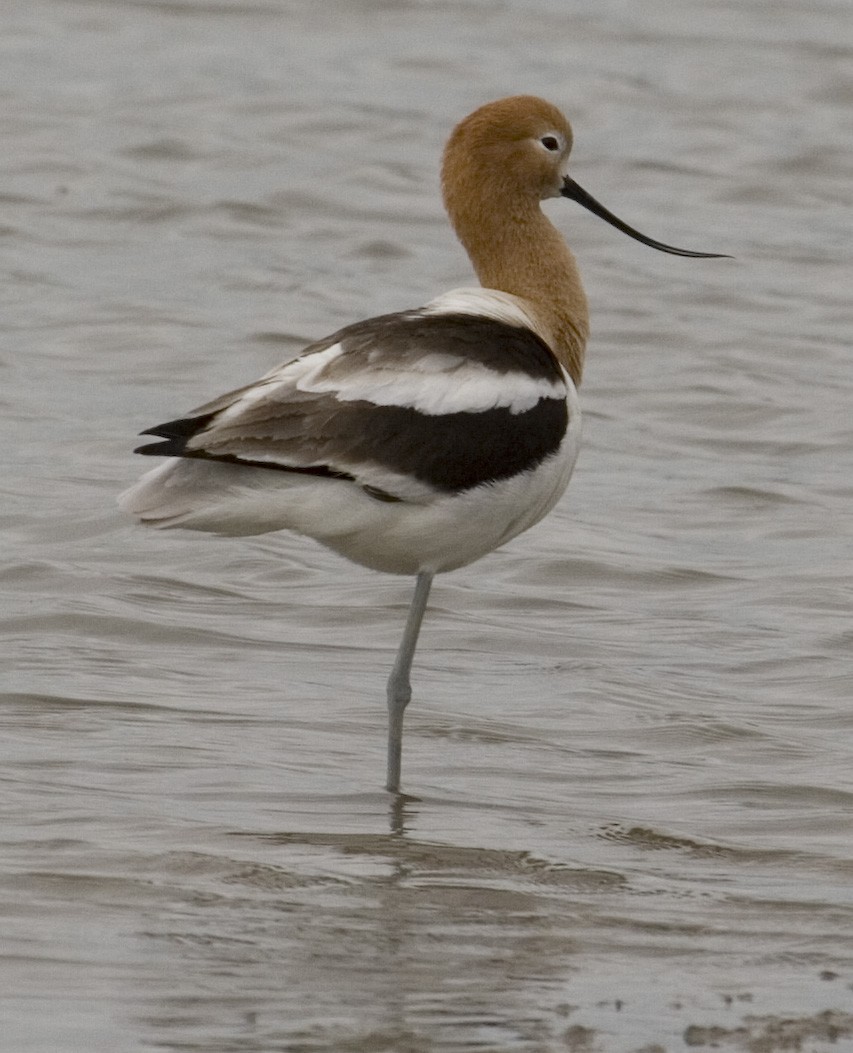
416, 442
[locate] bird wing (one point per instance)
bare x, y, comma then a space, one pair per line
448, 401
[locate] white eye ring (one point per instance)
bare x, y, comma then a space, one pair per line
551, 143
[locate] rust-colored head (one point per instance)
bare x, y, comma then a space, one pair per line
511, 153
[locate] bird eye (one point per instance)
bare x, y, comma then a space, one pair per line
550, 142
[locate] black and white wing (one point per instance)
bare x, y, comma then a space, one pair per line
405, 405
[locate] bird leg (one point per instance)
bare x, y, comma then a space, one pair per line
399, 688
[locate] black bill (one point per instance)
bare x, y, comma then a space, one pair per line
577, 193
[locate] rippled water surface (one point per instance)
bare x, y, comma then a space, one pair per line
629, 752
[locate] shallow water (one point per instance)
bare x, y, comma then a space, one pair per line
629, 752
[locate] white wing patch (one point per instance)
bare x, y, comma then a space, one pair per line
434, 385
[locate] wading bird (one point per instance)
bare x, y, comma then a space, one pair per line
415, 442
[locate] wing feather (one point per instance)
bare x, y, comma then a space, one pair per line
451, 400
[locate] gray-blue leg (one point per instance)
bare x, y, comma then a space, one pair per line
399, 687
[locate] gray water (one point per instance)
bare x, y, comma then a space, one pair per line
629, 753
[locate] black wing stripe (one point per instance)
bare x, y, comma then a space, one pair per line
499, 346
451, 453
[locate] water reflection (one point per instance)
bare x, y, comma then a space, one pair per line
408, 938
